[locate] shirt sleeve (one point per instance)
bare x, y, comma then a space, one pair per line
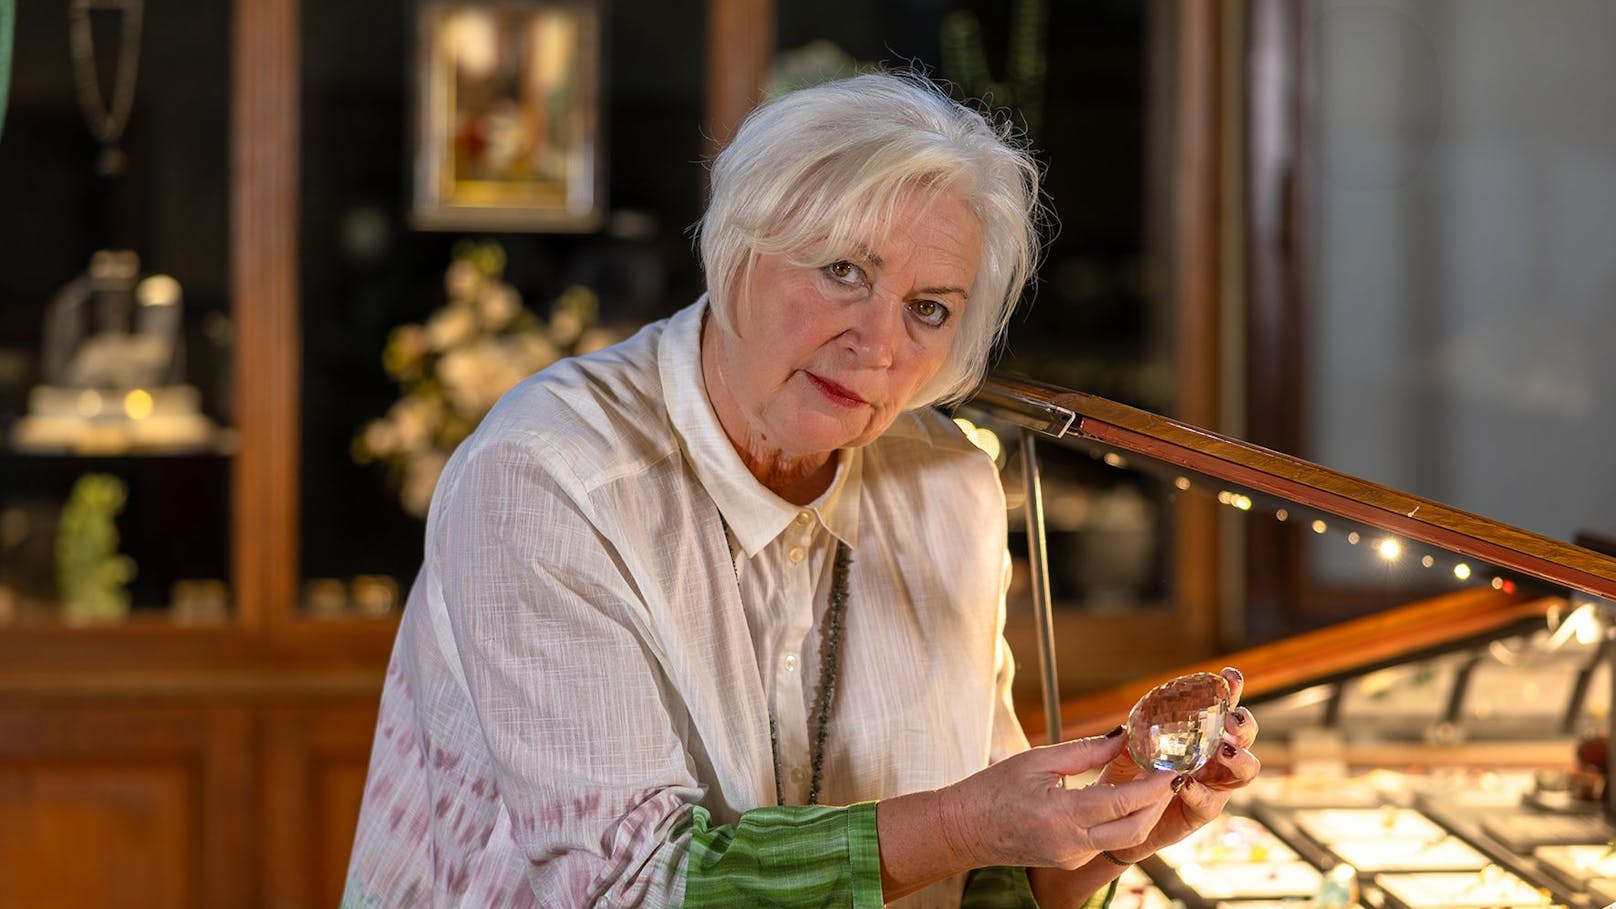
998, 887
808, 856
1008, 737
586, 740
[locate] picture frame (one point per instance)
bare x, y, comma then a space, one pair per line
508, 116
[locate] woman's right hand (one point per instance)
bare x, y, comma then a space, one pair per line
1018, 812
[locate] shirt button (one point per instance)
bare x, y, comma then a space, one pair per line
797, 554
804, 518
790, 662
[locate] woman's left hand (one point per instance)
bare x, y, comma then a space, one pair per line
1204, 795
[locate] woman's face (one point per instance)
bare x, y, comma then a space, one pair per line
825, 355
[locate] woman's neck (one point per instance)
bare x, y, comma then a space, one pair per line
797, 479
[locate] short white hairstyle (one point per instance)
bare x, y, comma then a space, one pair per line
816, 174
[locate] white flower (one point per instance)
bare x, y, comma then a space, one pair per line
414, 419
462, 279
421, 474
499, 305
450, 327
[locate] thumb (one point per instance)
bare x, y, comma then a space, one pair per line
1079, 755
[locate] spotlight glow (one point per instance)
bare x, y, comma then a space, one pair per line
1461, 571
1389, 549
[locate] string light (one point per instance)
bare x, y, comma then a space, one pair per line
1389, 549
1115, 460
1427, 561
1282, 515
1461, 571
1353, 538
1320, 527
1183, 483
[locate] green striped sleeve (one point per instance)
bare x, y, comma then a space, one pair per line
793, 855
998, 887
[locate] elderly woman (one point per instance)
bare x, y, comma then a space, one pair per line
713, 617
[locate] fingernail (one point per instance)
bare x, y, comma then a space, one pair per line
1115, 732
1239, 718
1229, 750
1235, 672
1179, 782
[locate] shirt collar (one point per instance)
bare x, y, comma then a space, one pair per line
754, 513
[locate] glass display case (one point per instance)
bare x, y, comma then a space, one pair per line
1445, 747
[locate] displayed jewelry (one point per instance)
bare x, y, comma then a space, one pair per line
106, 122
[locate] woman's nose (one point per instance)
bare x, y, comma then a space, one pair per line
876, 332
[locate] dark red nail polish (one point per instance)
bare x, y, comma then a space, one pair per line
1229, 750
1179, 782
1114, 733
1239, 718
1237, 673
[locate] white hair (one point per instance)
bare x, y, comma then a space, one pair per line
815, 174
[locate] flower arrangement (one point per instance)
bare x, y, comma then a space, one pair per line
451, 369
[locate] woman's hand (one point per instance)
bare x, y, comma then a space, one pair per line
1018, 812
1204, 794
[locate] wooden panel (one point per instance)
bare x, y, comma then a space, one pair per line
124, 806
99, 834
740, 44
263, 286
315, 760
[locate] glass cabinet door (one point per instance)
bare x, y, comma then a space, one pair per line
435, 272
116, 336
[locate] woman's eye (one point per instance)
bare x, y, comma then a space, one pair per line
844, 271
930, 312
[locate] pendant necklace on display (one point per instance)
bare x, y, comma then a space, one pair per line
829, 664
106, 121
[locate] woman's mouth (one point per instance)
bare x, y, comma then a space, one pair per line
838, 394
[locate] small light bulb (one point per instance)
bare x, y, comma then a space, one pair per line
1353, 538
1461, 571
1115, 460
1319, 527
1282, 515
1427, 561
138, 404
1183, 483
1498, 583
1389, 549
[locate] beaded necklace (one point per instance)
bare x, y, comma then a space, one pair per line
829, 663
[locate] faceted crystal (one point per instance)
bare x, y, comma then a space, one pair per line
1177, 725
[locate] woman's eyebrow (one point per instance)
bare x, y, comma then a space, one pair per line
943, 291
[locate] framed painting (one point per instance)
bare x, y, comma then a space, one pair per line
508, 116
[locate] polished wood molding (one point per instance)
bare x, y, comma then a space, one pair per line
740, 46
1316, 656
1196, 179
1321, 488
264, 277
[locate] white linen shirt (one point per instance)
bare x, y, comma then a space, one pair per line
587, 653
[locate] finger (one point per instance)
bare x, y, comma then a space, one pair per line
1237, 685
1130, 829
1231, 768
1105, 802
1079, 755
1240, 724
1203, 801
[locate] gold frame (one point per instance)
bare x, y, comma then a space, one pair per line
508, 116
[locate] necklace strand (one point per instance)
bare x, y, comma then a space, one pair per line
106, 121
829, 668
